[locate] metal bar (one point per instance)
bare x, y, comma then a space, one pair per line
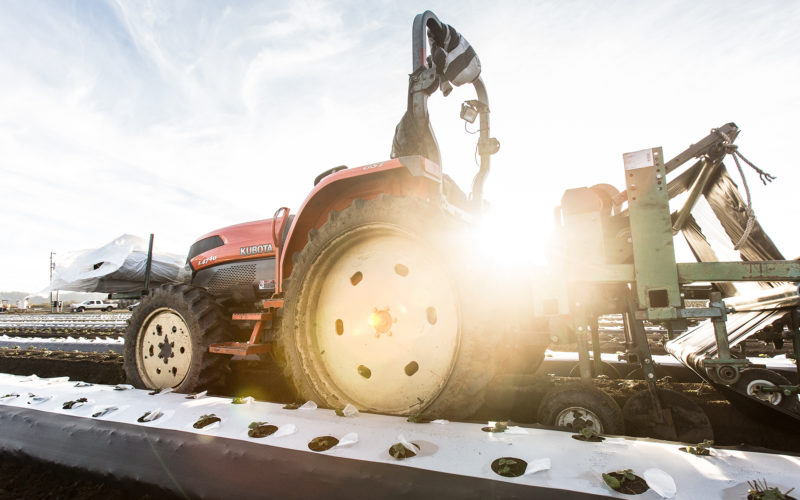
149, 264
483, 171
698, 187
277, 242
767, 270
642, 348
684, 181
598, 363
706, 144
419, 39
795, 325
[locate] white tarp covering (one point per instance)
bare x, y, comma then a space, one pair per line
118, 266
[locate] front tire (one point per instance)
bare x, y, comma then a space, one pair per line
167, 339
383, 312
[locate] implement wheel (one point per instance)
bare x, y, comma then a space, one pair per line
378, 313
167, 339
752, 380
575, 406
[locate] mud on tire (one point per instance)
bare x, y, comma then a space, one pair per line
194, 320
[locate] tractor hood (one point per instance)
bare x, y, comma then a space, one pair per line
249, 240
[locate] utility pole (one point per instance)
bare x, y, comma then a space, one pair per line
52, 267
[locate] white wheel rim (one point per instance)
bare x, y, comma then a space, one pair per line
568, 416
754, 390
163, 349
383, 321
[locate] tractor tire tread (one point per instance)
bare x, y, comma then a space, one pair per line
207, 323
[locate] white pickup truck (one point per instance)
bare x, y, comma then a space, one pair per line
96, 305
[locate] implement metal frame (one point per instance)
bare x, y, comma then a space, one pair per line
629, 267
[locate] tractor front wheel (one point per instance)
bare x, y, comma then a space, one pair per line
167, 339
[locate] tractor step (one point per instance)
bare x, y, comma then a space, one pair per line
251, 316
239, 348
272, 303
252, 346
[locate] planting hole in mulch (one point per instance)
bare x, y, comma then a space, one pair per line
626, 482
509, 466
400, 452
149, 416
261, 429
104, 411
322, 443
74, 404
205, 421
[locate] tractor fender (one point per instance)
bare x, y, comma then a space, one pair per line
405, 176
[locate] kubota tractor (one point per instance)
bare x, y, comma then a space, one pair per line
367, 295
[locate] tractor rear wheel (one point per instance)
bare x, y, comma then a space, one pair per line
382, 311
167, 339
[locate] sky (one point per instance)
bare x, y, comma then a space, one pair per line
178, 117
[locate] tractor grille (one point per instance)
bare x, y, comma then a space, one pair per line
230, 276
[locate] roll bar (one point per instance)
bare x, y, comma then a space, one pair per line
419, 62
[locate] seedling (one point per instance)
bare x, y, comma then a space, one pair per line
291, 406
701, 449
588, 434
497, 427
625, 481
242, 400
760, 490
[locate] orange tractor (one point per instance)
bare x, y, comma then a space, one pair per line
371, 295
367, 295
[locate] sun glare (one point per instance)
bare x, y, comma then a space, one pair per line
510, 239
